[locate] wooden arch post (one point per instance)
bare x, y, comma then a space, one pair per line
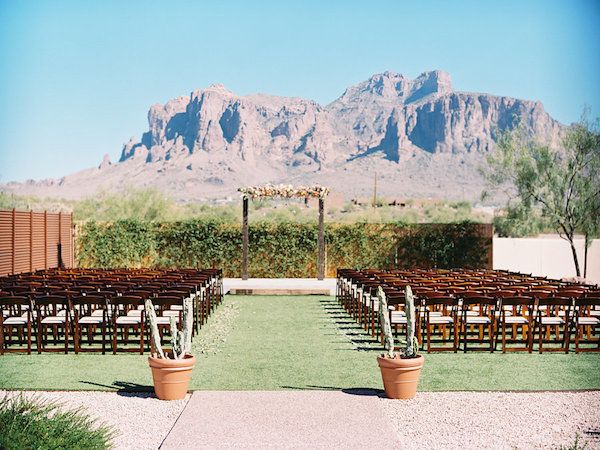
245, 238
321, 241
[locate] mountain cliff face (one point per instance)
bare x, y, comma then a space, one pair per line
420, 136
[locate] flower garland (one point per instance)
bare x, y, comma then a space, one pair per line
284, 191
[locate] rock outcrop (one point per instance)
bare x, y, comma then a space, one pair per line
207, 144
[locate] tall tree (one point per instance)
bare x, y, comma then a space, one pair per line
557, 187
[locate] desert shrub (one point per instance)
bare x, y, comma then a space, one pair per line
31, 424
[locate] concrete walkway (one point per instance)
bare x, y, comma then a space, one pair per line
280, 286
266, 419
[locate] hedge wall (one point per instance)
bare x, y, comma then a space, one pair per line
281, 249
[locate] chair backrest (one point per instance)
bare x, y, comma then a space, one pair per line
552, 305
9, 301
555, 301
442, 300
167, 301
125, 300
51, 300
481, 300
517, 301
587, 302
585, 306
95, 300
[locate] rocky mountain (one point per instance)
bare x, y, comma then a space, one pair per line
422, 138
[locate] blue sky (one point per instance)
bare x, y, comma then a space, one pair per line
78, 77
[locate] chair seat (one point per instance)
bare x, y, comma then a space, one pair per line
53, 320
97, 313
135, 313
440, 320
588, 321
515, 319
90, 320
15, 321
170, 312
165, 320
552, 320
398, 317
478, 320
128, 320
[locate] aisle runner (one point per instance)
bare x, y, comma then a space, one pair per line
283, 419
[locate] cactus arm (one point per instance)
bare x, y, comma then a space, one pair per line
412, 344
384, 319
175, 344
188, 324
155, 335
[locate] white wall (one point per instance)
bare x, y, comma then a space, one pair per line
549, 256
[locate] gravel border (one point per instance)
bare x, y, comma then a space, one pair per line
499, 420
140, 419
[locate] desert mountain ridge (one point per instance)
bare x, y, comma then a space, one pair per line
420, 136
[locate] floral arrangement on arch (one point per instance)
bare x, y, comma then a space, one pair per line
284, 191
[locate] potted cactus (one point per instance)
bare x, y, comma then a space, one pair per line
171, 371
400, 371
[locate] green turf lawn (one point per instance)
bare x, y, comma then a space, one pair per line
274, 343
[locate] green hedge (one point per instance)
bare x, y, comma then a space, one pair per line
280, 249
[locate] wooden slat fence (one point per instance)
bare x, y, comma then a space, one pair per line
31, 241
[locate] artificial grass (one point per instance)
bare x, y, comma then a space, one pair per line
305, 342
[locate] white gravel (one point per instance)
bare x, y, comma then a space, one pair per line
499, 420
140, 419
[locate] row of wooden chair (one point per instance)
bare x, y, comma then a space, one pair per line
75, 310
460, 307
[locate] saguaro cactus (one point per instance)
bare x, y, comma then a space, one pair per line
411, 347
181, 341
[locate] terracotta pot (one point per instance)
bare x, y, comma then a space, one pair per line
171, 376
400, 376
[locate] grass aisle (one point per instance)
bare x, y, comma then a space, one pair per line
310, 343
274, 343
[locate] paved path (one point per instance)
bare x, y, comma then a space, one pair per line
266, 419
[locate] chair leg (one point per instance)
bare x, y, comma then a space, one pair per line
455, 337
66, 337
142, 337
39, 338
29, 337
428, 338
103, 338
114, 339
567, 337
77, 338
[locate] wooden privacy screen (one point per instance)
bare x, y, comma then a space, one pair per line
34, 240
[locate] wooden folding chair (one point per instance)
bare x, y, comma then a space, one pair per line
90, 312
516, 312
553, 312
52, 313
478, 312
15, 314
440, 312
127, 317
587, 321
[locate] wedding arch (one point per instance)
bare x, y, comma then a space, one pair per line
285, 191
